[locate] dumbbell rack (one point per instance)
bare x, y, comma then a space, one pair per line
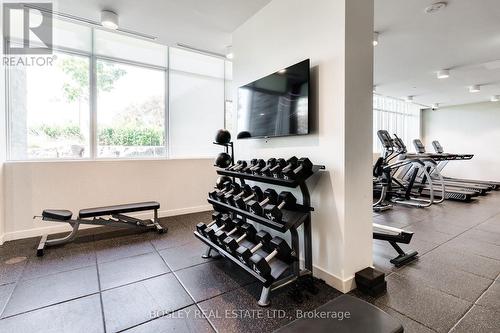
227, 147
291, 221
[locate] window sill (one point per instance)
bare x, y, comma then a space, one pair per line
88, 160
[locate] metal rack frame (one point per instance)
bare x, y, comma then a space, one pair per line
292, 220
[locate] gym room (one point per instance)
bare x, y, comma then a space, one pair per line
250, 166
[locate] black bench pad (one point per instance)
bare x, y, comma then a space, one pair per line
364, 317
57, 214
118, 209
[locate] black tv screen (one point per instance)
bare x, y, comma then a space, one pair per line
275, 105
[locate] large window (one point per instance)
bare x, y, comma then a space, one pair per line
397, 117
49, 109
108, 95
130, 110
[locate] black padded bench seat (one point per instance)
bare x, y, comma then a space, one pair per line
118, 209
100, 217
364, 317
57, 214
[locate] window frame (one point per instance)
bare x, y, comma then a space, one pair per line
166, 114
93, 140
8, 108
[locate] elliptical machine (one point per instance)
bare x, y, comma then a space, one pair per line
382, 173
391, 179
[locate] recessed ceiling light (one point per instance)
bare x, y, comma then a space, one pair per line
409, 99
435, 7
109, 19
443, 74
375, 38
495, 98
474, 88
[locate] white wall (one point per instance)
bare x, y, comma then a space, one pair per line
2, 137
180, 186
336, 35
26, 188
472, 128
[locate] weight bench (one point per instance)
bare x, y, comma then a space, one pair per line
97, 216
394, 236
363, 317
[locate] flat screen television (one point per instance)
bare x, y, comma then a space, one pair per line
275, 105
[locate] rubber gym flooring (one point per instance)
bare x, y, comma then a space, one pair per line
114, 281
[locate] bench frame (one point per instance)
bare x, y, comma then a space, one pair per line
394, 236
116, 220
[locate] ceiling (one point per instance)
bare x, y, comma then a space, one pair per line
205, 24
463, 37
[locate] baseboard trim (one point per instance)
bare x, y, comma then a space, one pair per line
36, 232
334, 281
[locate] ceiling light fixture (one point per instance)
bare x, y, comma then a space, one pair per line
375, 38
109, 19
474, 88
443, 74
495, 98
435, 7
229, 52
86, 21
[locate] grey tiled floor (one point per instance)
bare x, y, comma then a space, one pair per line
111, 281
454, 286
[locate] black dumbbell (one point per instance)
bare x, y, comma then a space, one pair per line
281, 250
257, 195
304, 166
220, 188
245, 192
257, 208
221, 180
224, 223
275, 171
253, 163
241, 166
286, 200
256, 168
238, 163
265, 171
235, 189
291, 164
220, 235
223, 220
201, 227
244, 254
231, 244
